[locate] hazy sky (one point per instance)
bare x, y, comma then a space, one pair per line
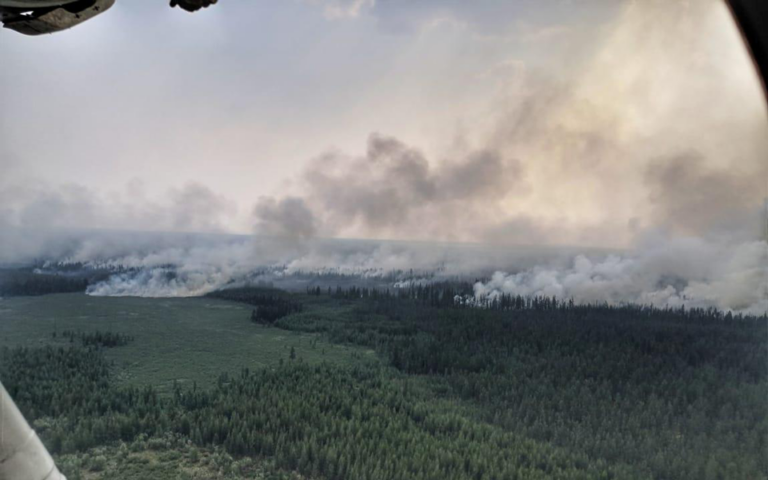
521, 121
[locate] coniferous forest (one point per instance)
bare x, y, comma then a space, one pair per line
515, 388
26, 282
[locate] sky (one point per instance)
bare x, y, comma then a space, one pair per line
578, 122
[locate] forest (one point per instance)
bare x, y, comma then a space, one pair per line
269, 304
515, 388
42, 278
27, 282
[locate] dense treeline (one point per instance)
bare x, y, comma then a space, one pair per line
270, 304
24, 282
71, 388
677, 393
326, 422
361, 423
458, 295
97, 338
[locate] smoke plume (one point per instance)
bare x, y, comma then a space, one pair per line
659, 138
667, 273
392, 191
652, 150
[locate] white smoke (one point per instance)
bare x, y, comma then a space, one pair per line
196, 265
161, 282
662, 272
668, 273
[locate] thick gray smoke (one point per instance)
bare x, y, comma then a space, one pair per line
392, 191
692, 198
287, 218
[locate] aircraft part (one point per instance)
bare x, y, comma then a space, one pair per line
22, 454
51, 20
752, 18
193, 5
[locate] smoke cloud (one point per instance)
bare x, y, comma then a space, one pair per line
653, 152
39, 221
661, 130
288, 218
392, 191
689, 197
193, 207
660, 138
666, 273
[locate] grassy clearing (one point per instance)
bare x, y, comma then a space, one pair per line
185, 340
